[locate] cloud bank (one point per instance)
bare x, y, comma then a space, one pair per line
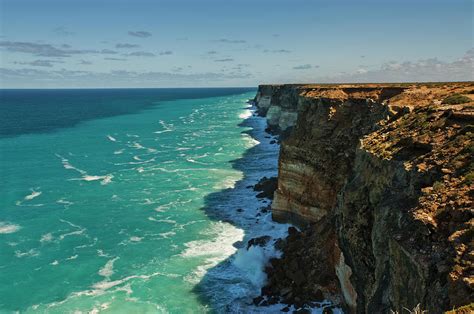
140, 54
230, 41
126, 46
140, 34
304, 67
117, 78
166, 53
424, 70
48, 50
224, 60
40, 63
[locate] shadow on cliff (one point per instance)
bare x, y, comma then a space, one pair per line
228, 206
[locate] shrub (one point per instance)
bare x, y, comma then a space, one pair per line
438, 186
455, 99
469, 179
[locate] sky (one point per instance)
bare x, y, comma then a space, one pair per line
220, 43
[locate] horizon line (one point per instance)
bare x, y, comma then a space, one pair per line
222, 87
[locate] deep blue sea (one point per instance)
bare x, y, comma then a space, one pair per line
131, 200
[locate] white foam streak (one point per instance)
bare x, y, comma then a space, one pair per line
196, 162
161, 208
92, 178
246, 114
68, 165
166, 127
101, 286
167, 235
33, 195
137, 145
48, 237
80, 230
29, 253
64, 202
111, 138
102, 254
106, 179
6, 228
135, 162
249, 141
136, 239
215, 250
108, 269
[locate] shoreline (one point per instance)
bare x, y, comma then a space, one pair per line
263, 235
242, 275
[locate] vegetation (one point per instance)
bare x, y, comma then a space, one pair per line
455, 99
469, 308
438, 186
469, 179
416, 310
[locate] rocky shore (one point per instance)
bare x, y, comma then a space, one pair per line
379, 180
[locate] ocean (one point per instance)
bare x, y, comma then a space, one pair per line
132, 200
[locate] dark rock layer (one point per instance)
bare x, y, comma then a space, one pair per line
266, 187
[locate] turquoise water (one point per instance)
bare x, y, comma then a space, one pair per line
128, 203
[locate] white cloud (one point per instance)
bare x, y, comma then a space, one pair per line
140, 34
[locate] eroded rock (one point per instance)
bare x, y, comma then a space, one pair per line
266, 187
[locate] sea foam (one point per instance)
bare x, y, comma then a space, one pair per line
215, 250
108, 269
6, 227
246, 114
111, 138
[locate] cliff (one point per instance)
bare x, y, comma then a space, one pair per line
279, 104
380, 179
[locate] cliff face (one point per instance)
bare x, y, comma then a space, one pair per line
380, 177
278, 103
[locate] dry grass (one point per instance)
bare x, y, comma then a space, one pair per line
416, 310
466, 309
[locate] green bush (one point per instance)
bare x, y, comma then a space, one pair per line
456, 99
469, 179
438, 186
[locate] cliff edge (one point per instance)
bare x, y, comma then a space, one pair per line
379, 178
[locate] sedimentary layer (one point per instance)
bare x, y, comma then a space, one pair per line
380, 179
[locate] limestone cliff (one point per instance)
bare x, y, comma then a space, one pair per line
380, 178
278, 103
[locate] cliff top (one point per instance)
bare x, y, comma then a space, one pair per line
397, 94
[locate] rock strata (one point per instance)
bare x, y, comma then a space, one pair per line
379, 177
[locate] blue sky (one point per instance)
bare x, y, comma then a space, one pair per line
139, 43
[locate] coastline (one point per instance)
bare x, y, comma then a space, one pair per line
285, 210
377, 177
244, 274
